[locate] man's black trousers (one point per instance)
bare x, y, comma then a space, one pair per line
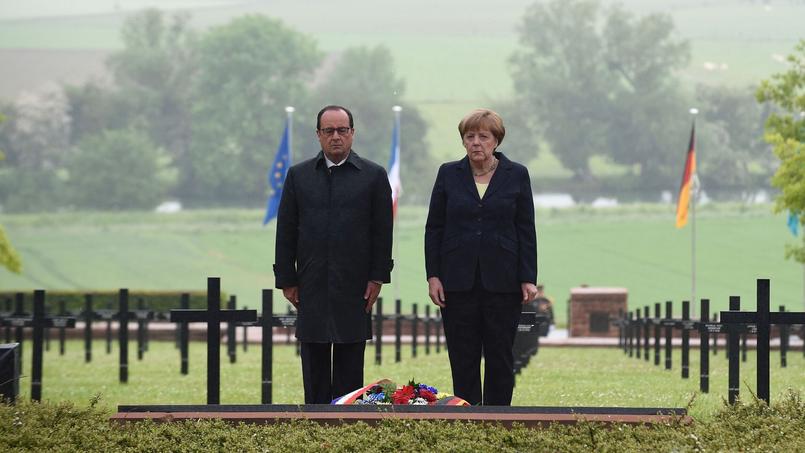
330, 370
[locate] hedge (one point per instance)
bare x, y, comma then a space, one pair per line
66, 427
160, 301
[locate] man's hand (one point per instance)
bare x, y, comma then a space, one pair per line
292, 294
371, 293
529, 291
436, 291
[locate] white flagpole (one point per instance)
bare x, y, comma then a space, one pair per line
693, 194
395, 278
289, 111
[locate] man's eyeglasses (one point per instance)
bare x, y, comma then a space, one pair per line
332, 130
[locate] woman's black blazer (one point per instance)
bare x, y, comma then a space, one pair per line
495, 235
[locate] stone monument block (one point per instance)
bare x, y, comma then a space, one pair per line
593, 308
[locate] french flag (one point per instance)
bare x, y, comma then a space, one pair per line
394, 165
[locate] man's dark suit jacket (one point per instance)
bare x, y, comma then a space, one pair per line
334, 233
496, 233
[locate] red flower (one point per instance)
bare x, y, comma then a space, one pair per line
427, 395
403, 395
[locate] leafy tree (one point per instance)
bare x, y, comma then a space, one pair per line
37, 133
601, 82
730, 130
523, 132
118, 169
9, 258
35, 139
249, 70
363, 80
154, 76
95, 108
785, 130
556, 77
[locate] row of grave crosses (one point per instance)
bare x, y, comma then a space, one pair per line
213, 315
734, 323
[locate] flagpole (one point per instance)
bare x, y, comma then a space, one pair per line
289, 112
694, 193
395, 280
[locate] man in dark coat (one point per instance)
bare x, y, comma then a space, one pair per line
333, 253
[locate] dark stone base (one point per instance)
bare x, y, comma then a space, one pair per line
328, 414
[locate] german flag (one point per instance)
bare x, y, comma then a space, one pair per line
687, 181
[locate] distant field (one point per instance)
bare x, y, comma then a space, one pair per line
454, 50
555, 377
453, 54
636, 247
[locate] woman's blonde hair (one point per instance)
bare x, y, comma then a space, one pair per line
483, 119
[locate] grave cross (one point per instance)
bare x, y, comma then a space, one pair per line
213, 316
640, 322
531, 326
733, 331
268, 321
646, 332
184, 335
686, 325
231, 332
107, 314
3, 314
379, 331
763, 318
38, 321
19, 312
656, 322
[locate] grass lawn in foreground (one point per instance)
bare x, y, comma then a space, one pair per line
555, 377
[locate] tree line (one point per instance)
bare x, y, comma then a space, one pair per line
197, 115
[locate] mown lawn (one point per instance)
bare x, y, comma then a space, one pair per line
555, 377
634, 246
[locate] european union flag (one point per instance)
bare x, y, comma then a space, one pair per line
793, 223
276, 175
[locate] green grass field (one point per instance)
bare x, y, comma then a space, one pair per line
634, 246
555, 377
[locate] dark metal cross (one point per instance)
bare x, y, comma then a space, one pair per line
213, 316
38, 321
734, 332
763, 318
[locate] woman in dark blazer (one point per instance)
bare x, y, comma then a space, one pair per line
481, 258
